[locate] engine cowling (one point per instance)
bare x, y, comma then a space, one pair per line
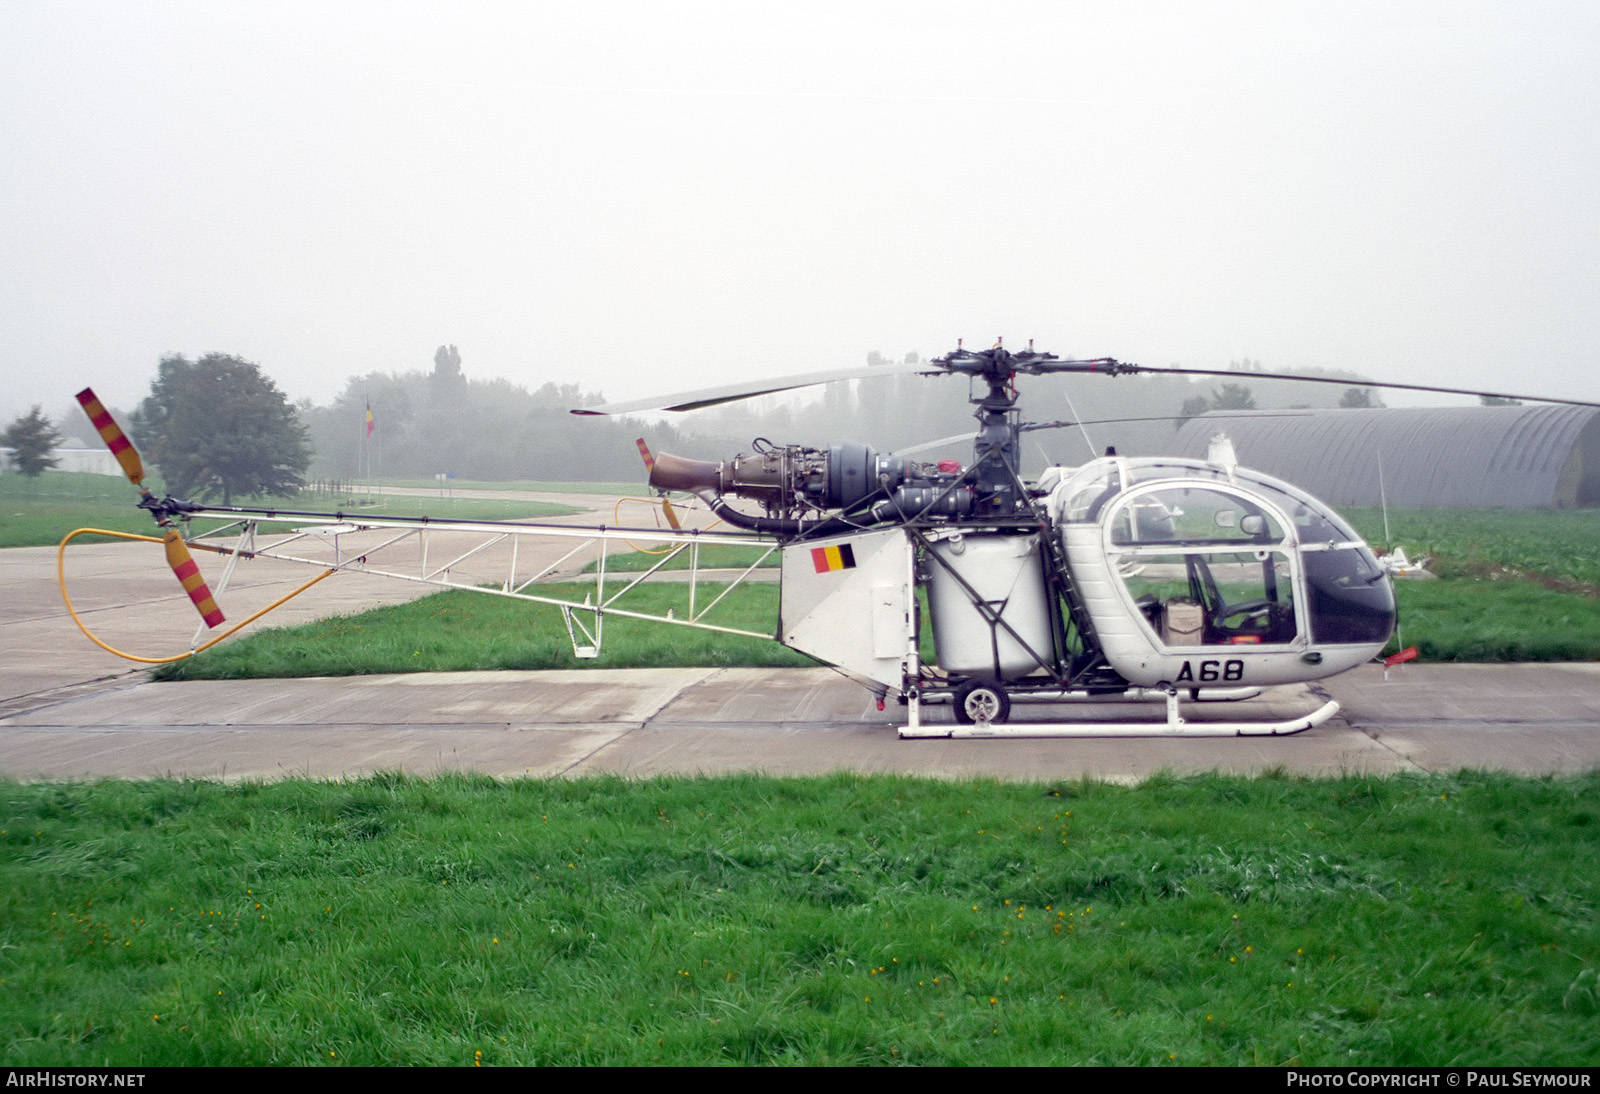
802, 487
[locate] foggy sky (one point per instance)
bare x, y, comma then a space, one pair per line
651, 197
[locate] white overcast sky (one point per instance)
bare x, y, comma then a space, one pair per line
646, 197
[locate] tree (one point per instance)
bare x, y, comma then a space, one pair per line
1227, 397
218, 426
1354, 398
447, 365
1233, 396
1498, 400
30, 438
1192, 408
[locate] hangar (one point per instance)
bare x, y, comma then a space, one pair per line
1511, 457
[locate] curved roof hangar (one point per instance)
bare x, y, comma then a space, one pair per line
1514, 457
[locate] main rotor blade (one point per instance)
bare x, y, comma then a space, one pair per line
111, 433
1028, 427
923, 446
749, 389
1245, 376
1210, 415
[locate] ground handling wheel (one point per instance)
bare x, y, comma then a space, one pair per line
982, 702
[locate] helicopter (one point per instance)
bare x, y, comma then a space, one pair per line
1124, 579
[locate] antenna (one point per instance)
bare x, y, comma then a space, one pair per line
1093, 451
1383, 500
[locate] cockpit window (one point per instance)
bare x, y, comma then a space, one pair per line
1314, 522
1149, 470
1206, 597
1192, 515
1350, 600
1086, 493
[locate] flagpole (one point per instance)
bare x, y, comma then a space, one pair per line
366, 436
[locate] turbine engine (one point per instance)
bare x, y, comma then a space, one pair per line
811, 489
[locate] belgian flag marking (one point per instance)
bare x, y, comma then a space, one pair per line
828, 559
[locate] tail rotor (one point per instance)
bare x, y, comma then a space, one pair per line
178, 556
666, 503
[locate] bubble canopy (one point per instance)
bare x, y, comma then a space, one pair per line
1262, 561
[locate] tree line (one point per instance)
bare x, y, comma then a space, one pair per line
219, 429
444, 422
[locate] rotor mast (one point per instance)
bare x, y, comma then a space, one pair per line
997, 449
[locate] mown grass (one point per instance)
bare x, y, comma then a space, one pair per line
465, 630
712, 556
543, 487
1439, 920
1496, 620
385, 505
1512, 585
38, 512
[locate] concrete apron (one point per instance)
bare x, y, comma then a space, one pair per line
1528, 719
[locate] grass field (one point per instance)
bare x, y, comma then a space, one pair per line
38, 512
619, 488
1559, 547
1513, 585
455, 631
381, 505
712, 556
1506, 619
844, 920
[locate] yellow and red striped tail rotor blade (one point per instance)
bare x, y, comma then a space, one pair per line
649, 469
183, 565
672, 514
111, 433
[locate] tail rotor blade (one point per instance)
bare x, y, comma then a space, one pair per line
111, 433
649, 469
671, 513
178, 556
183, 565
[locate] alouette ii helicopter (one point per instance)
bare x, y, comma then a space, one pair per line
1146, 579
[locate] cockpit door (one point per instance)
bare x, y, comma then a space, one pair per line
1206, 565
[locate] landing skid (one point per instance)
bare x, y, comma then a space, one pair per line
1175, 725
1131, 695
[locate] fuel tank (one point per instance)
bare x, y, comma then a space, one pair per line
991, 614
